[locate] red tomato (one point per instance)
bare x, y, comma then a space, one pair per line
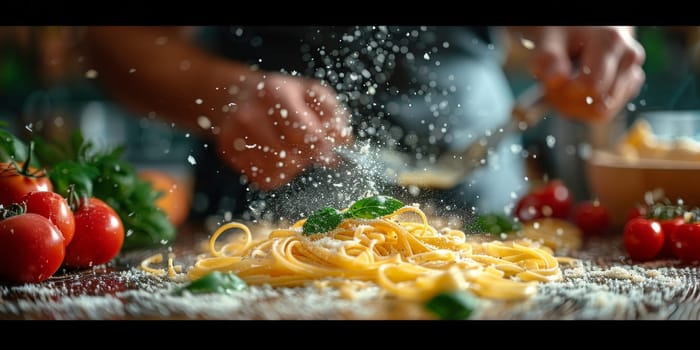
527, 208
551, 200
685, 242
669, 227
14, 185
31, 248
99, 235
54, 207
643, 239
592, 217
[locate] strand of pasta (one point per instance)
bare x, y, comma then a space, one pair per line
172, 269
411, 260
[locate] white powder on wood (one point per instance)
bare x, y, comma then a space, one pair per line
597, 288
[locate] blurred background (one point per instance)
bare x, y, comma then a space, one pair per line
672, 70
48, 87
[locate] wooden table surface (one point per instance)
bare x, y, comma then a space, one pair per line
606, 285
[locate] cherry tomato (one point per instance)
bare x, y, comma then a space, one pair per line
551, 200
592, 217
54, 207
99, 235
669, 227
31, 248
685, 242
643, 239
14, 185
527, 208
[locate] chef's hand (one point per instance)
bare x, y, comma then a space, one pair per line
280, 126
588, 73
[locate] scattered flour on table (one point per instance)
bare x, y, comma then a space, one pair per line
587, 291
156, 300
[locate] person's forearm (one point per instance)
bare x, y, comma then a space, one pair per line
156, 69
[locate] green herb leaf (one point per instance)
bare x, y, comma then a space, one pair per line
215, 282
374, 207
11, 148
326, 219
67, 173
494, 224
78, 147
103, 173
322, 220
455, 305
50, 154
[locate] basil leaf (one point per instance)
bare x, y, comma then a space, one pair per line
326, 219
215, 282
455, 305
11, 148
79, 175
374, 207
322, 220
148, 226
50, 154
78, 147
494, 224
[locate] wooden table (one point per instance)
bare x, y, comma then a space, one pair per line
606, 286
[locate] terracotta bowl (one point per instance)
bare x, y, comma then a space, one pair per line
620, 184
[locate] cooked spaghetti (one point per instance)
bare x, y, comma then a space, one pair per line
410, 260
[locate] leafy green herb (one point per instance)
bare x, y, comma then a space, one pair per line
374, 207
103, 173
494, 224
11, 148
322, 220
67, 173
327, 218
215, 282
454, 305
